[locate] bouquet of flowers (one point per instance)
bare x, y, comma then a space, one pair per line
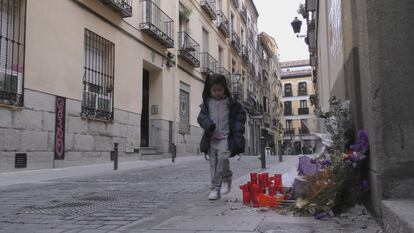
337, 167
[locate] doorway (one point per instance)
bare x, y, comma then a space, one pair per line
145, 109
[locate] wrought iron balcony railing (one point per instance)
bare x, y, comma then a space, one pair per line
122, 7
223, 23
243, 14
188, 49
209, 7
208, 64
288, 112
245, 54
304, 130
238, 91
157, 24
235, 42
290, 131
302, 92
303, 111
251, 35
252, 70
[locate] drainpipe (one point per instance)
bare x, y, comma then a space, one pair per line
176, 7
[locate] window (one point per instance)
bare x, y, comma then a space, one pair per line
205, 41
288, 108
304, 123
265, 104
242, 36
289, 124
98, 78
302, 88
220, 58
12, 29
233, 25
183, 19
303, 104
288, 89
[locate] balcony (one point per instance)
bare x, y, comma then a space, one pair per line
245, 54
288, 112
157, 24
251, 36
208, 64
252, 70
209, 6
238, 91
304, 130
223, 23
251, 96
236, 3
302, 93
122, 7
303, 111
243, 14
189, 49
290, 131
235, 42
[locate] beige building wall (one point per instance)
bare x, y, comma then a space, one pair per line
331, 29
54, 66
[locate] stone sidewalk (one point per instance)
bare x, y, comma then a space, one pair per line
228, 215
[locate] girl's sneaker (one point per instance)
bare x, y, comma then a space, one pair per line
214, 195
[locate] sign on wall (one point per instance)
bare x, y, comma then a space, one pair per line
60, 128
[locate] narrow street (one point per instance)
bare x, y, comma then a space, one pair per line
160, 197
107, 201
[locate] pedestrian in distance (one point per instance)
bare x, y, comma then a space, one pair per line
222, 117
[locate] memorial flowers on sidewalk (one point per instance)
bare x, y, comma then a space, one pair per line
336, 171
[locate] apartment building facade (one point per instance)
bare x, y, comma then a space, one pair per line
90, 74
298, 118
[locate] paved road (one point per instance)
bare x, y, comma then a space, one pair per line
108, 201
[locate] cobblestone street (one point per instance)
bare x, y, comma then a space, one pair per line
106, 202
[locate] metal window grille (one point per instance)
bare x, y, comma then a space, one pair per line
98, 77
12, 29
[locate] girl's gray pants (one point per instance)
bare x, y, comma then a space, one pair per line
219, 163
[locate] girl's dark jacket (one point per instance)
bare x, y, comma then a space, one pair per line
237, 120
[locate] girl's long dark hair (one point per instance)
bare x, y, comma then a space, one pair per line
214, 79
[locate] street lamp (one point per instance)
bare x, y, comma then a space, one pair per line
296, 26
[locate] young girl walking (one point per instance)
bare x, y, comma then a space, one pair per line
222, 119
